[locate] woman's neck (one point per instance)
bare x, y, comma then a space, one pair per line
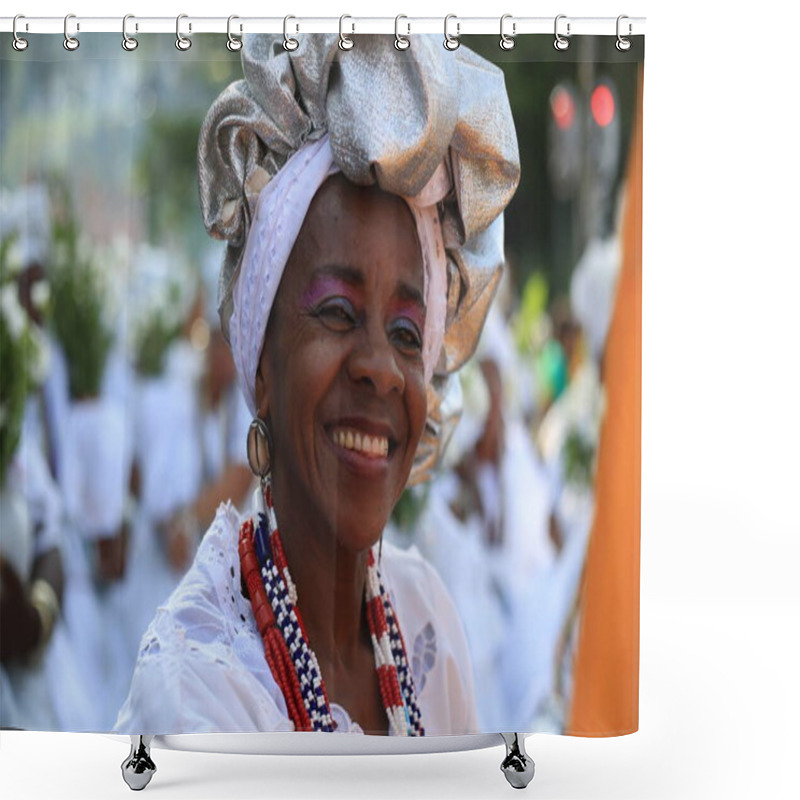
330, 584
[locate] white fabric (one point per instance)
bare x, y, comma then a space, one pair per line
174, 462
95, 480
457, 551
41, 495
26, 212
201, 665
29, 489
593, 288
166, 426
51, 693
224, 433
47, 417
281, 209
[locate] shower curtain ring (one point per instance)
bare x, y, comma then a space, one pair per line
561, 42
623, 43
233, 44
181, 42
289, 43
451, 42
70, 42
401, 42
345, 42
507, 42
128, 42
19, 44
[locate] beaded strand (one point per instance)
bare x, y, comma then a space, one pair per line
293, 663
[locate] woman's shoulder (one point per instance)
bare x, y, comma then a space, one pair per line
201, 666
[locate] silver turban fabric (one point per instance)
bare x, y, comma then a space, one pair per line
392, 118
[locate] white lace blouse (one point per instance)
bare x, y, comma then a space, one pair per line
201, 666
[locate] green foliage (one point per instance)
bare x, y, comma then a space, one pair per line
78, 315
153, 341
19, 354
409, 508
579, 455
166, 172
531, 308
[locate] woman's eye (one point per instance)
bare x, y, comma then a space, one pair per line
407, 336
337, 313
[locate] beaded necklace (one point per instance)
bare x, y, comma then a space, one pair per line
293, 663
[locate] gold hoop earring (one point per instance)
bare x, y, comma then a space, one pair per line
259, 448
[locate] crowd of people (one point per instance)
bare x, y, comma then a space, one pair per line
505, 519
112, 483
115, 489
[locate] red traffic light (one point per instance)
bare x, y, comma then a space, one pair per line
562, 106
602, 104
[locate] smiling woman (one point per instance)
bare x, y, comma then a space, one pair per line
341, 377
364, 228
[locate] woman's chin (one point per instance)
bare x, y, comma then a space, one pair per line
356, 535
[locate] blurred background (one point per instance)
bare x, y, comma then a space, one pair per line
121, 426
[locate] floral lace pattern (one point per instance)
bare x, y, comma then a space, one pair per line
424, 655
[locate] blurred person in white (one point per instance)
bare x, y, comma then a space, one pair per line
568, 439
224, 422
190, 422
86, 443
42, 686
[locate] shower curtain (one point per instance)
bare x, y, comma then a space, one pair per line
124, 427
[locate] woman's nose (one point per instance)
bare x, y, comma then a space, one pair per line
374, 360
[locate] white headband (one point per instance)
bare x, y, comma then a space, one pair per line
281, 209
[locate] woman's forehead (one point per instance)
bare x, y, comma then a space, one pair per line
358, 235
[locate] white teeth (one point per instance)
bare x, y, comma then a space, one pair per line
362, 443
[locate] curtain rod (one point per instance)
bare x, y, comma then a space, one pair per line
406, 25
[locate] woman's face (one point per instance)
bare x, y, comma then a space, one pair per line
341, 373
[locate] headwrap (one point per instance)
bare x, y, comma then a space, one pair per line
429, 125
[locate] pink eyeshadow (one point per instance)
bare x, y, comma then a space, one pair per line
326, 286
411, 310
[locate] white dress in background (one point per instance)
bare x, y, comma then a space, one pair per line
224, 432
202, 668
167, 450
180, 448
50, 693
458, 552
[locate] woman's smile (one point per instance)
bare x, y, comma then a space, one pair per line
362, 446
371, 447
